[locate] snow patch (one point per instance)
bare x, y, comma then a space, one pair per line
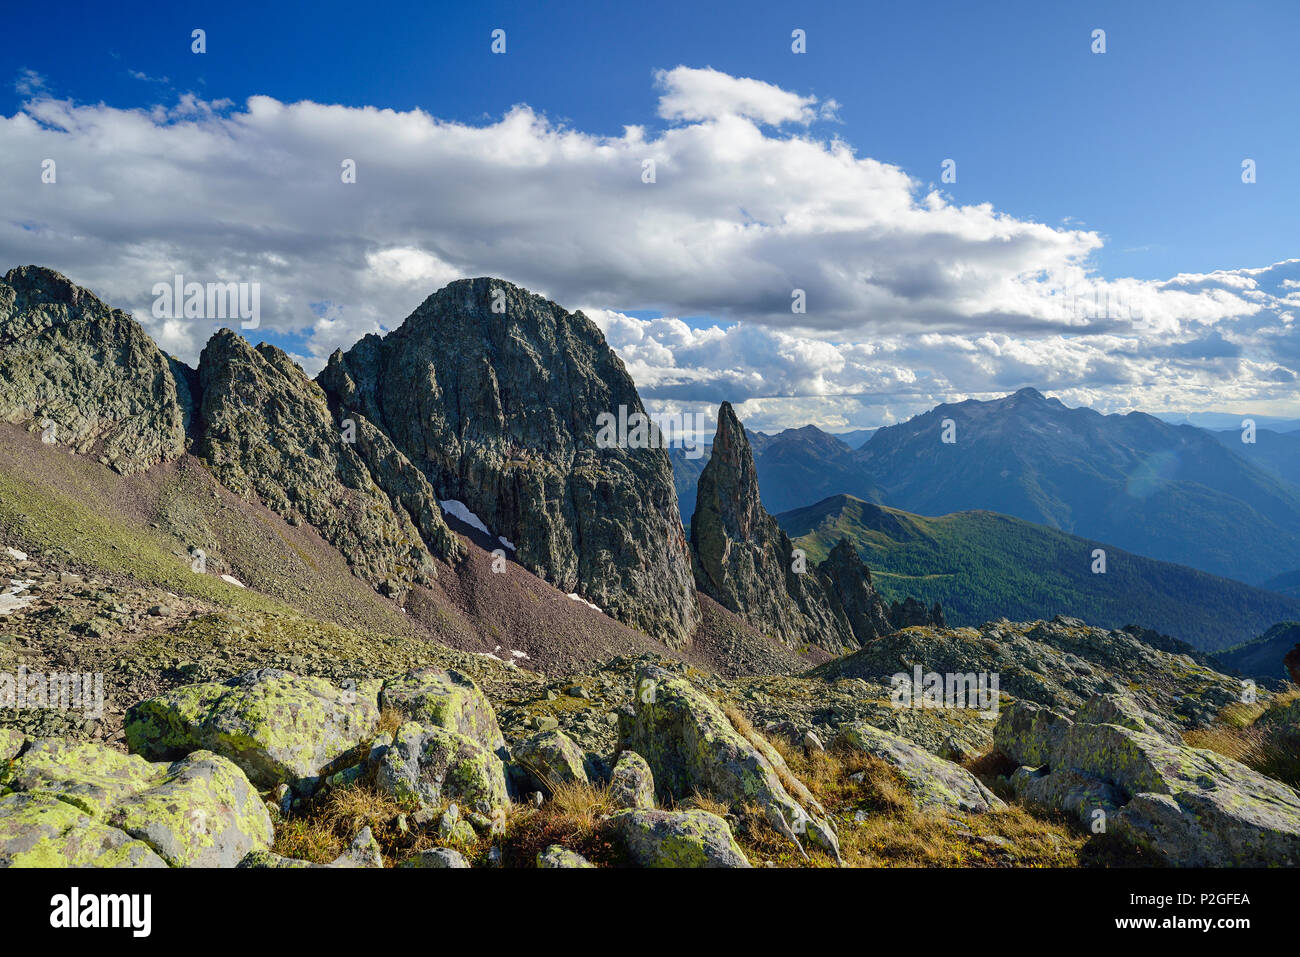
12, 599
461, 511
576, 597
232, 580
488, 654
18, 556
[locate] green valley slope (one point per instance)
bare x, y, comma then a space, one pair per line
983, 565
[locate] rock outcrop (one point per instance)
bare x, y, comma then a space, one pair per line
677, 839
278, 727
909, 612
550, 759
557, 857
743, 559
445, 699
849, 580
1189, 806
429, 765
494, 394
266, 428
79, 804
632, 783
84, 375
439, 858
691, 747
746, 562
932, 782
1060, 663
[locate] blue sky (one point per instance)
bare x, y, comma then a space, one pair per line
1131, 157
1143, 143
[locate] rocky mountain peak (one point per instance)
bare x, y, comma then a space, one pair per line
496, 394
85, 375
267, 428
850, 582
730, 480
37, 285
745, 562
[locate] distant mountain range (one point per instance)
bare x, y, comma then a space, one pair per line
1229, 420
1273, 451
1288, 583
1177, 493
981, 566
1262, 658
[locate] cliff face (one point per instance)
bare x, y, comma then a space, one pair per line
745, 562
849, 580
265, 427
493, 394
84, 375
487, 395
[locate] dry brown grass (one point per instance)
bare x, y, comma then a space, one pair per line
571, 819
894, 833
323, 830
1272, 749
390, 719
701, 801
581, 801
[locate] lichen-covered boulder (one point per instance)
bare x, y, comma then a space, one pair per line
203, 813
89, 776
1068, 790
556, 856
677, 839
11, 742
444, 699
1127, 713
632, 784
1227, 814
441, 858
932, 782
1192, 807
279, 727
550, 758
429, 765
1027, 732
692, 747
200, 811
39, 830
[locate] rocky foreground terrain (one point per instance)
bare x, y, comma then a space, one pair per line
470, 638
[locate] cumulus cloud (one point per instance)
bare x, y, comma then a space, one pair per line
910, 298
708, 94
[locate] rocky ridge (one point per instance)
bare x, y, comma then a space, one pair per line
266, 428
84, 374
486, 398
747, 563
494, 393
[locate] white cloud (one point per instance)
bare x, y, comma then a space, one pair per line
911, 299
693, 95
